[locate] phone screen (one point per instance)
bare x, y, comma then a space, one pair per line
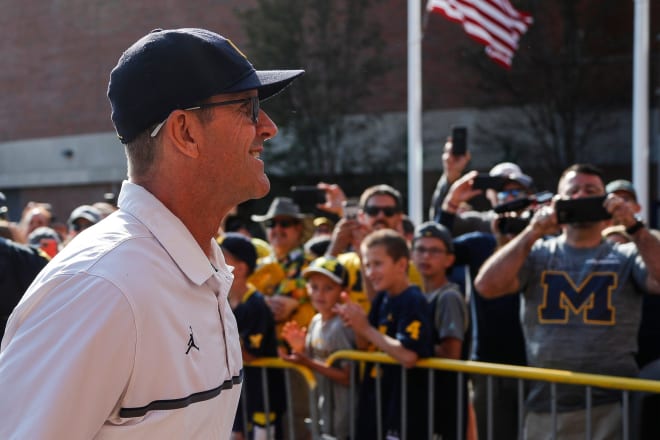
459, 141
351, 210
486, 181
306, 195
582, 210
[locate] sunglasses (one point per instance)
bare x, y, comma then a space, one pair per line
284, 223
254, 111
510, 193
389, 211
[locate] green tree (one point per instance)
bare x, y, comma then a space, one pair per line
340, 47
569, 77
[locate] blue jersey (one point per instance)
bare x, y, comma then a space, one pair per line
256, 328
405, 317
256, 325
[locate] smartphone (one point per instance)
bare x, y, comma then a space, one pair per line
486, 181
458, 141
307, 195
351, 210
582, 210
518, 204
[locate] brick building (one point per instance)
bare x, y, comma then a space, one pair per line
57, 142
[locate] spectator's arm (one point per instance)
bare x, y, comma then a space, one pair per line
499, 274
460, 191
449, 348
452, 168
647, 243
354, 316
340, 375
439, 194
342, 236
391, 346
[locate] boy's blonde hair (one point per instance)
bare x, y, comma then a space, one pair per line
394, 243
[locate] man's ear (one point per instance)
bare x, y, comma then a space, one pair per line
184, 130
451, 258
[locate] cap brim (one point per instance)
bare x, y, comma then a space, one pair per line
265, 217
84, 216
327, 273
522, 179
268, 82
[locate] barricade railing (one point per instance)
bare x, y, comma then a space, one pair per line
522, 373
310, 381
462, 368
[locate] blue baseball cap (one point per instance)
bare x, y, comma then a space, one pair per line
179, 68
435, 230
240, 247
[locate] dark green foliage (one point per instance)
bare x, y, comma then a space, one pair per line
339, 45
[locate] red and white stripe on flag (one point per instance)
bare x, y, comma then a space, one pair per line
494, 23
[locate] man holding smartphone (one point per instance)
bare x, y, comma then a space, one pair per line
504, 183
582, 304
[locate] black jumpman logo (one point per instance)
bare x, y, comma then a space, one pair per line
191, 342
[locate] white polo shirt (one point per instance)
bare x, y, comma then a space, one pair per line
126, 334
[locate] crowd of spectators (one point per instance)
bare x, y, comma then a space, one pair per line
459, 286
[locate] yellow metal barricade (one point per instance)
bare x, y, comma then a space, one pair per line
522, 373
288, 367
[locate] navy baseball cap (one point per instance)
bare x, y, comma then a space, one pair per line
178, 68
435, 230
240, 247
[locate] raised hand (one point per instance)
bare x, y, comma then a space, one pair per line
294, 335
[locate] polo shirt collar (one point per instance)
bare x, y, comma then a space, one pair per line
170, 232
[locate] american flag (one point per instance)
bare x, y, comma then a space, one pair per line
494, 23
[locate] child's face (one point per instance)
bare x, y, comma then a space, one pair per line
381, 270
431, 257
235, 263
323, 292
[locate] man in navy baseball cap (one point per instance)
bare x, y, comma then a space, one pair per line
138, 310
180, 69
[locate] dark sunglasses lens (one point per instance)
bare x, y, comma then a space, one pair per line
283, 223
373, 211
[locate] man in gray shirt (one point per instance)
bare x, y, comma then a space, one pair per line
581, 302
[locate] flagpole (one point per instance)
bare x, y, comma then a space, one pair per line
415, 147
640, 122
